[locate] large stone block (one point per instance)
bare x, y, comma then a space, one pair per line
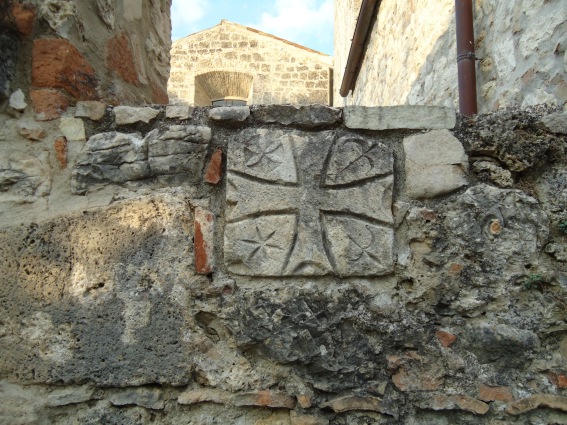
435, 164
403, 116
302, 204
99, 297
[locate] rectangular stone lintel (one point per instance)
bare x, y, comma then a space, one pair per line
399, 117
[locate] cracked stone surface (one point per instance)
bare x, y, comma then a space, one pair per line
308, 204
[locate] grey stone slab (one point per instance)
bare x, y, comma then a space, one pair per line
230, 114
298, 202
311, 116
556, 122
151, 398
91, 109
399, 117
435, 164
181, 112
131, 115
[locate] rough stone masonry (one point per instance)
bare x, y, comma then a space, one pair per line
283, 265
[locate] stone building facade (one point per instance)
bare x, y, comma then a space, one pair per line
411, 53
233, 62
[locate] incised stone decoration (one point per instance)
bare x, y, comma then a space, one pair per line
307, 204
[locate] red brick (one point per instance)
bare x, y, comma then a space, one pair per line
558, 379
445, 338
488, 393
120, 59
214, 169
265, 398
60, 146
24, 17
159, 95
56, 63
203, 241
48, 104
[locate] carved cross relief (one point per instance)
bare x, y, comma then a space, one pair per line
308, 204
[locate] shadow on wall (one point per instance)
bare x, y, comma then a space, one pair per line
86, 296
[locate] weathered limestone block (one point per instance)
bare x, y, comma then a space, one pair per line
110, 158
392, 117
90, 109
435, 164
295, 211
70, 395
180, 149
152, 398
178, 111
72, 128
106, 12
230, 114
18, 100
311, 116
24, 175
31, 130
117, 158
131, 115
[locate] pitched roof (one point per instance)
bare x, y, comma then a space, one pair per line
264, 34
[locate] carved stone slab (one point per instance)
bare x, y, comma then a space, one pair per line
308, 204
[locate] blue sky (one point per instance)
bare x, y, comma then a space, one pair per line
307, 22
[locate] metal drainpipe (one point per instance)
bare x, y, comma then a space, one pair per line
466, 57
355, 55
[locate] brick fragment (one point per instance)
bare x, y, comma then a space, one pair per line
24, 17
120, 59
445, 338
48, 104
558, 379
60, 146
56, 63
488, 393
214, 169
204, 245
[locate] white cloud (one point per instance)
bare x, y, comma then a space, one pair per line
185, 14
298, 20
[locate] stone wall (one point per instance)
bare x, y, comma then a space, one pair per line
281, 71
59, 52
283, 265
411, 55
